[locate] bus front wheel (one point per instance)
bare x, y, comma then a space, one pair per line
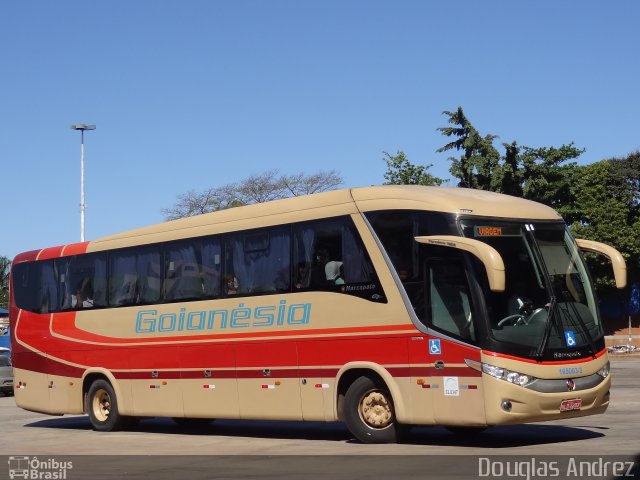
102, 406
369, 412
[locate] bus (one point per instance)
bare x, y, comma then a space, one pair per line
382, 307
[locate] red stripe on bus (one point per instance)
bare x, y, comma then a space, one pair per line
51, 252
26, 257
380, 348
64, 324
75, 249
546, 362
37, 363
396, 372
437, 372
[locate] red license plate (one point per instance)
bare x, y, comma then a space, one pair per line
572, 404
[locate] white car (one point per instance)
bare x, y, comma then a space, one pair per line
6, 372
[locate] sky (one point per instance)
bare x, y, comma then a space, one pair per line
193, 94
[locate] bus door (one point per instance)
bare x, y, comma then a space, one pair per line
456, 388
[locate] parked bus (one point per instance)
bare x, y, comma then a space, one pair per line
382, 307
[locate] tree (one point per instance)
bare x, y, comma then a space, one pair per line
476, 165
540, 174
195, 203
259, 188
5, 267
606, 208
546, 177
400, 171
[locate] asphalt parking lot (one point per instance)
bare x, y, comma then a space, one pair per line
614, 433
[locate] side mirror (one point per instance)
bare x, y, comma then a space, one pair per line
617, 260
489, 256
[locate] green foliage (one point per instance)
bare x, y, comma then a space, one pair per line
540, 174
476, 166
400, 171
547, 177
5, 267
606, 208
600, 201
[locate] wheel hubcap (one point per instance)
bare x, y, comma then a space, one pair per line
101, 405
375, 410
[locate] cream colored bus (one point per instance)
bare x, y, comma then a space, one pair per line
383, 307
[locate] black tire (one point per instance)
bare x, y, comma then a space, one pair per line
102, 407
190, 422
369, 412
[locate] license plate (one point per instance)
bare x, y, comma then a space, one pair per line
572, 404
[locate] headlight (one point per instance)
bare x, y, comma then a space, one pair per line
604, 371
507, 375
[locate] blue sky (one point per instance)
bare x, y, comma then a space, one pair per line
195, 94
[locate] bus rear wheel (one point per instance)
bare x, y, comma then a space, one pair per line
102, 406
369, 412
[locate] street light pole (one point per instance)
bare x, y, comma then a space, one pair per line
82, 127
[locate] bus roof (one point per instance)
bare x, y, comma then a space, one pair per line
321, 205
337, 202
466, 201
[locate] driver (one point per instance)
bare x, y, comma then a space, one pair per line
518, 303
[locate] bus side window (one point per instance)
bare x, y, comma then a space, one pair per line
258, 262
85, 281
30, 282
212, 267
183, 277
135, 277
329, 256
149, 277
450, 305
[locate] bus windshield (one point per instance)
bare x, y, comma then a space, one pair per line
548, 309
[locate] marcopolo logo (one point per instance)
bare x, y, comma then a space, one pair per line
38, 469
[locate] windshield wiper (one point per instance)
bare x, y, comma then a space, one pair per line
551, 322
551, 317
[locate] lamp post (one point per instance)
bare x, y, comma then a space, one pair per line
82, 127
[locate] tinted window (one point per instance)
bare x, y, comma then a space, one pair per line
192, 270
397, 229
25, 281
449, 304
83, 281
329, 255
134, 277
39, 286
258, 262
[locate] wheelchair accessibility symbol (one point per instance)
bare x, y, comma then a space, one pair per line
570, 338
434, 347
